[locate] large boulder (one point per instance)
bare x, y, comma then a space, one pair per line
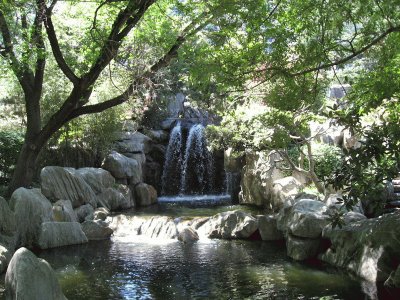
306, 218
31, 209
158, 136
98, 179
96, 230
31, 278
101, 213
230, 225
57, 234
369, 248
122, 167
302, 248
59, 183
233, 162
64, 212
267, 225
145, 194
258, 176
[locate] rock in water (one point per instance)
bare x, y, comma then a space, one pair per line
96, 230
31, 209
145, 194
31, 278
369, 248
230, 225
57, 234
268, 228
188, 235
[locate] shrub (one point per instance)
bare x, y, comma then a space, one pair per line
11, 142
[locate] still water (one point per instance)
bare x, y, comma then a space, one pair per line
133, 268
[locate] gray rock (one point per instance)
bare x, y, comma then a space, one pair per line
284, 191
268, 228
188, 235
232, 161
96, 230
5, 257
302, 248
305, 218
98, 179
145, 194
31, 209
158, 136
394, 279
114, 200
59, 183
128, 193
64, 212
159, 227
259, 173
122, 167
367, 247
57, 234
84, 212
101, 213
230, 225
133, 142
7, 218
31, 278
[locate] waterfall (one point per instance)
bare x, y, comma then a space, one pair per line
197, 175
171, 177
188, 167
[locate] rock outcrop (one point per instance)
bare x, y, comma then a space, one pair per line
98, 179
369, 248
31, 209
31, 278
124, 169
59, 183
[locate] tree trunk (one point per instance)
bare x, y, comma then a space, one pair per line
25, 168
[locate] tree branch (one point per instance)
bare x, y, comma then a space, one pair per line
55, 47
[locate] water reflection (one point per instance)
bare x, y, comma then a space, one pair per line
213, 269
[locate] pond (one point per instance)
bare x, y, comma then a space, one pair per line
132, 268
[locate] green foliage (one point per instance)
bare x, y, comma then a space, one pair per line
11, 142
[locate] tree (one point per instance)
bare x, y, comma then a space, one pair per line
28, 31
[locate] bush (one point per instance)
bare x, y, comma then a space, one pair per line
11, 142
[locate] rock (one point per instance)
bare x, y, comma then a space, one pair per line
5, 257
159, 227
232, 161
145, 194
284, 191
59, 183
31, 278
367, 247
133, 142
259, 173
302, 248
96, 230
128, 194
168, 123
122, 167
84, 212
350, 141
305, 218
63, 211
268, 228
158, 136
230, 225
152, 172
394, 279
101, 213
31, 209
352, 216
7, 218
188, 235
57, 234
111, 199
327, 133
98, 179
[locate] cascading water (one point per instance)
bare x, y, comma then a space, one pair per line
197, 174
171, 178
189, 175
